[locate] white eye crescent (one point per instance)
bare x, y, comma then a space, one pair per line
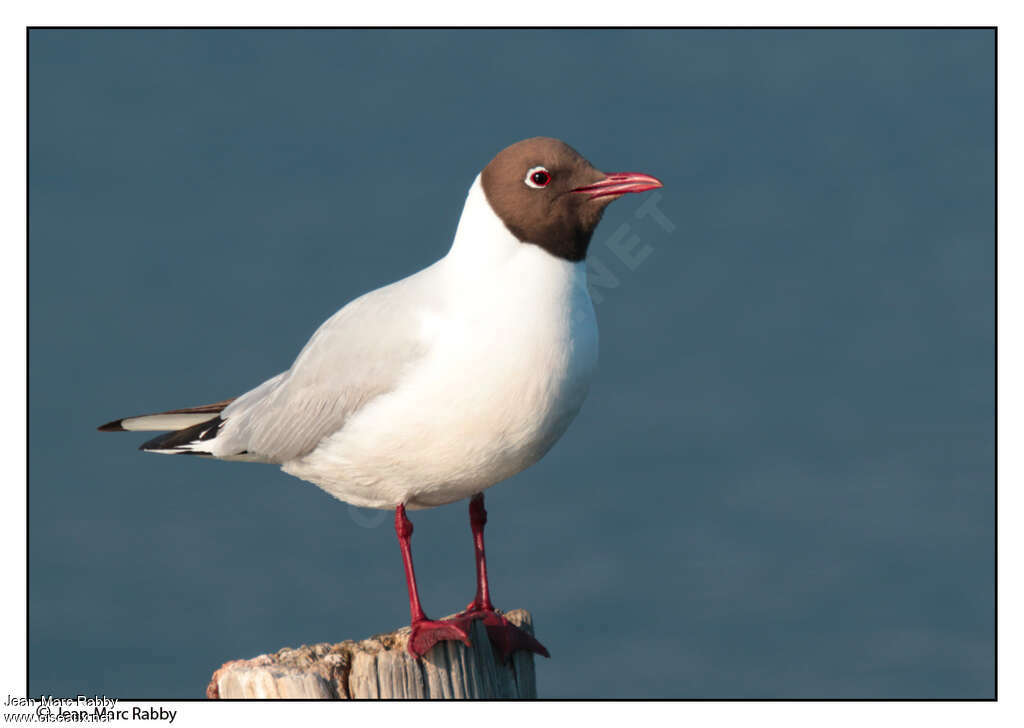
537, 177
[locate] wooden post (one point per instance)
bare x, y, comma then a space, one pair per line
381, 667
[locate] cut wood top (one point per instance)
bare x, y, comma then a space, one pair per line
381, 667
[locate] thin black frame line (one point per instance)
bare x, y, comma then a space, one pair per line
512, 27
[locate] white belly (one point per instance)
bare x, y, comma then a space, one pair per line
499, 386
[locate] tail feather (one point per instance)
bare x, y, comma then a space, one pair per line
192, 429
177, 419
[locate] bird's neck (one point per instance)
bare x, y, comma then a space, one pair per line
487, 261
482, 241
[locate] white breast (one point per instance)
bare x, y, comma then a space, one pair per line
511, 353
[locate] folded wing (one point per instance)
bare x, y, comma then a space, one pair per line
355, 356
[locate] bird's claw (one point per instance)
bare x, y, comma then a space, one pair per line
426, 633
504, 636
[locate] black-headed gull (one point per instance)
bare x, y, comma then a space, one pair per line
434, 388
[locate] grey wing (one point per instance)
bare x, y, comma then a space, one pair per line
358, 354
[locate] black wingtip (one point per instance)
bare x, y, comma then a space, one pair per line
190, 435
114, 426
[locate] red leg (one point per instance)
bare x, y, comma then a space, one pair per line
425, 632
477, 521
503, 634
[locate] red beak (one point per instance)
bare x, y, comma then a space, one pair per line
619, 183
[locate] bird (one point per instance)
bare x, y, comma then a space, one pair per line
434, 388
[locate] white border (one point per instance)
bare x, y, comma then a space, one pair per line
534, 12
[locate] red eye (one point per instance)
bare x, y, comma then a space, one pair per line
538, 177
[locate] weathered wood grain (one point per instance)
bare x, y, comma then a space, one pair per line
380, 667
